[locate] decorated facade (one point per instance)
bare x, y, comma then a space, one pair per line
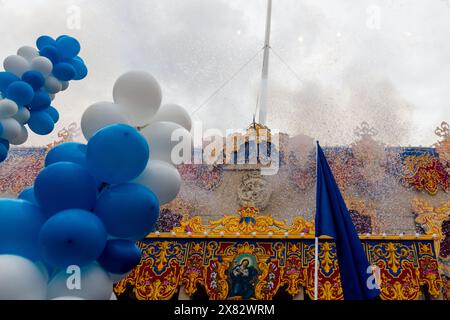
233, 233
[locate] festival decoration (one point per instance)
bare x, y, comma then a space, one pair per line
61, 224
426, 172
431, 219
281, 254
207, 177
29, 84
168, 220
90, 202
137, 101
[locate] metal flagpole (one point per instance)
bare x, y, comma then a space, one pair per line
265, 70
316, 242
316, 270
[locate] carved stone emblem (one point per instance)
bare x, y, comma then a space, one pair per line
254, 190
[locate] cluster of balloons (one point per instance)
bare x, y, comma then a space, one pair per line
29, 84
93, 201
137, 100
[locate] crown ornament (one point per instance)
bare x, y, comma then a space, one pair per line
365, 130
443, 131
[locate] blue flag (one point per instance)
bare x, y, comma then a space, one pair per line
333, 219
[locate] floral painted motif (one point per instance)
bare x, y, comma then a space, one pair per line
363, 224
426, 172
205, 176
445, 243
405, 266
168, 220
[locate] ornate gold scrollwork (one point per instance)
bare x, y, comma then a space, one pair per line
246, 223
431, 218
282, 256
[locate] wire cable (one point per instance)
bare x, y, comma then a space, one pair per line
287, 65
226, 82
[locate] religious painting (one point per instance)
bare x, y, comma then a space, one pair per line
243, 276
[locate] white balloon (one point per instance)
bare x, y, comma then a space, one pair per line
95, 284
52, 85
21, 279
42, 64
139, 96
162, 178
21, 137
68, 298
174, 113
100, 115
27, 52
159, 137
11, 128
65, 85
16, 64
52, 96
8, 108
22, 116
113, 296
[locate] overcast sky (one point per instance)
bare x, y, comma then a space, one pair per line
342, 62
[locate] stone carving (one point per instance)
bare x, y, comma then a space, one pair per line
254, 190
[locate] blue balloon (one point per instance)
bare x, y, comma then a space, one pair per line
68, 47
41, 122
6, 78
20, 92
78, 58
28, 195
67, 152
41, 101
65, 185
119, 256
64, 71
81, 70
4, 142
3, 153
53, 113
51, 53
72, 237
44, 41
61, 36
20, 223
34, 78
117, 153
128, 210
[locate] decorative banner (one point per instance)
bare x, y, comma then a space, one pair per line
167, 264
252, 257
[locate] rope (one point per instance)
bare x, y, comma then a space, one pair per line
226, 82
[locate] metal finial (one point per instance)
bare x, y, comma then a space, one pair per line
443, 131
